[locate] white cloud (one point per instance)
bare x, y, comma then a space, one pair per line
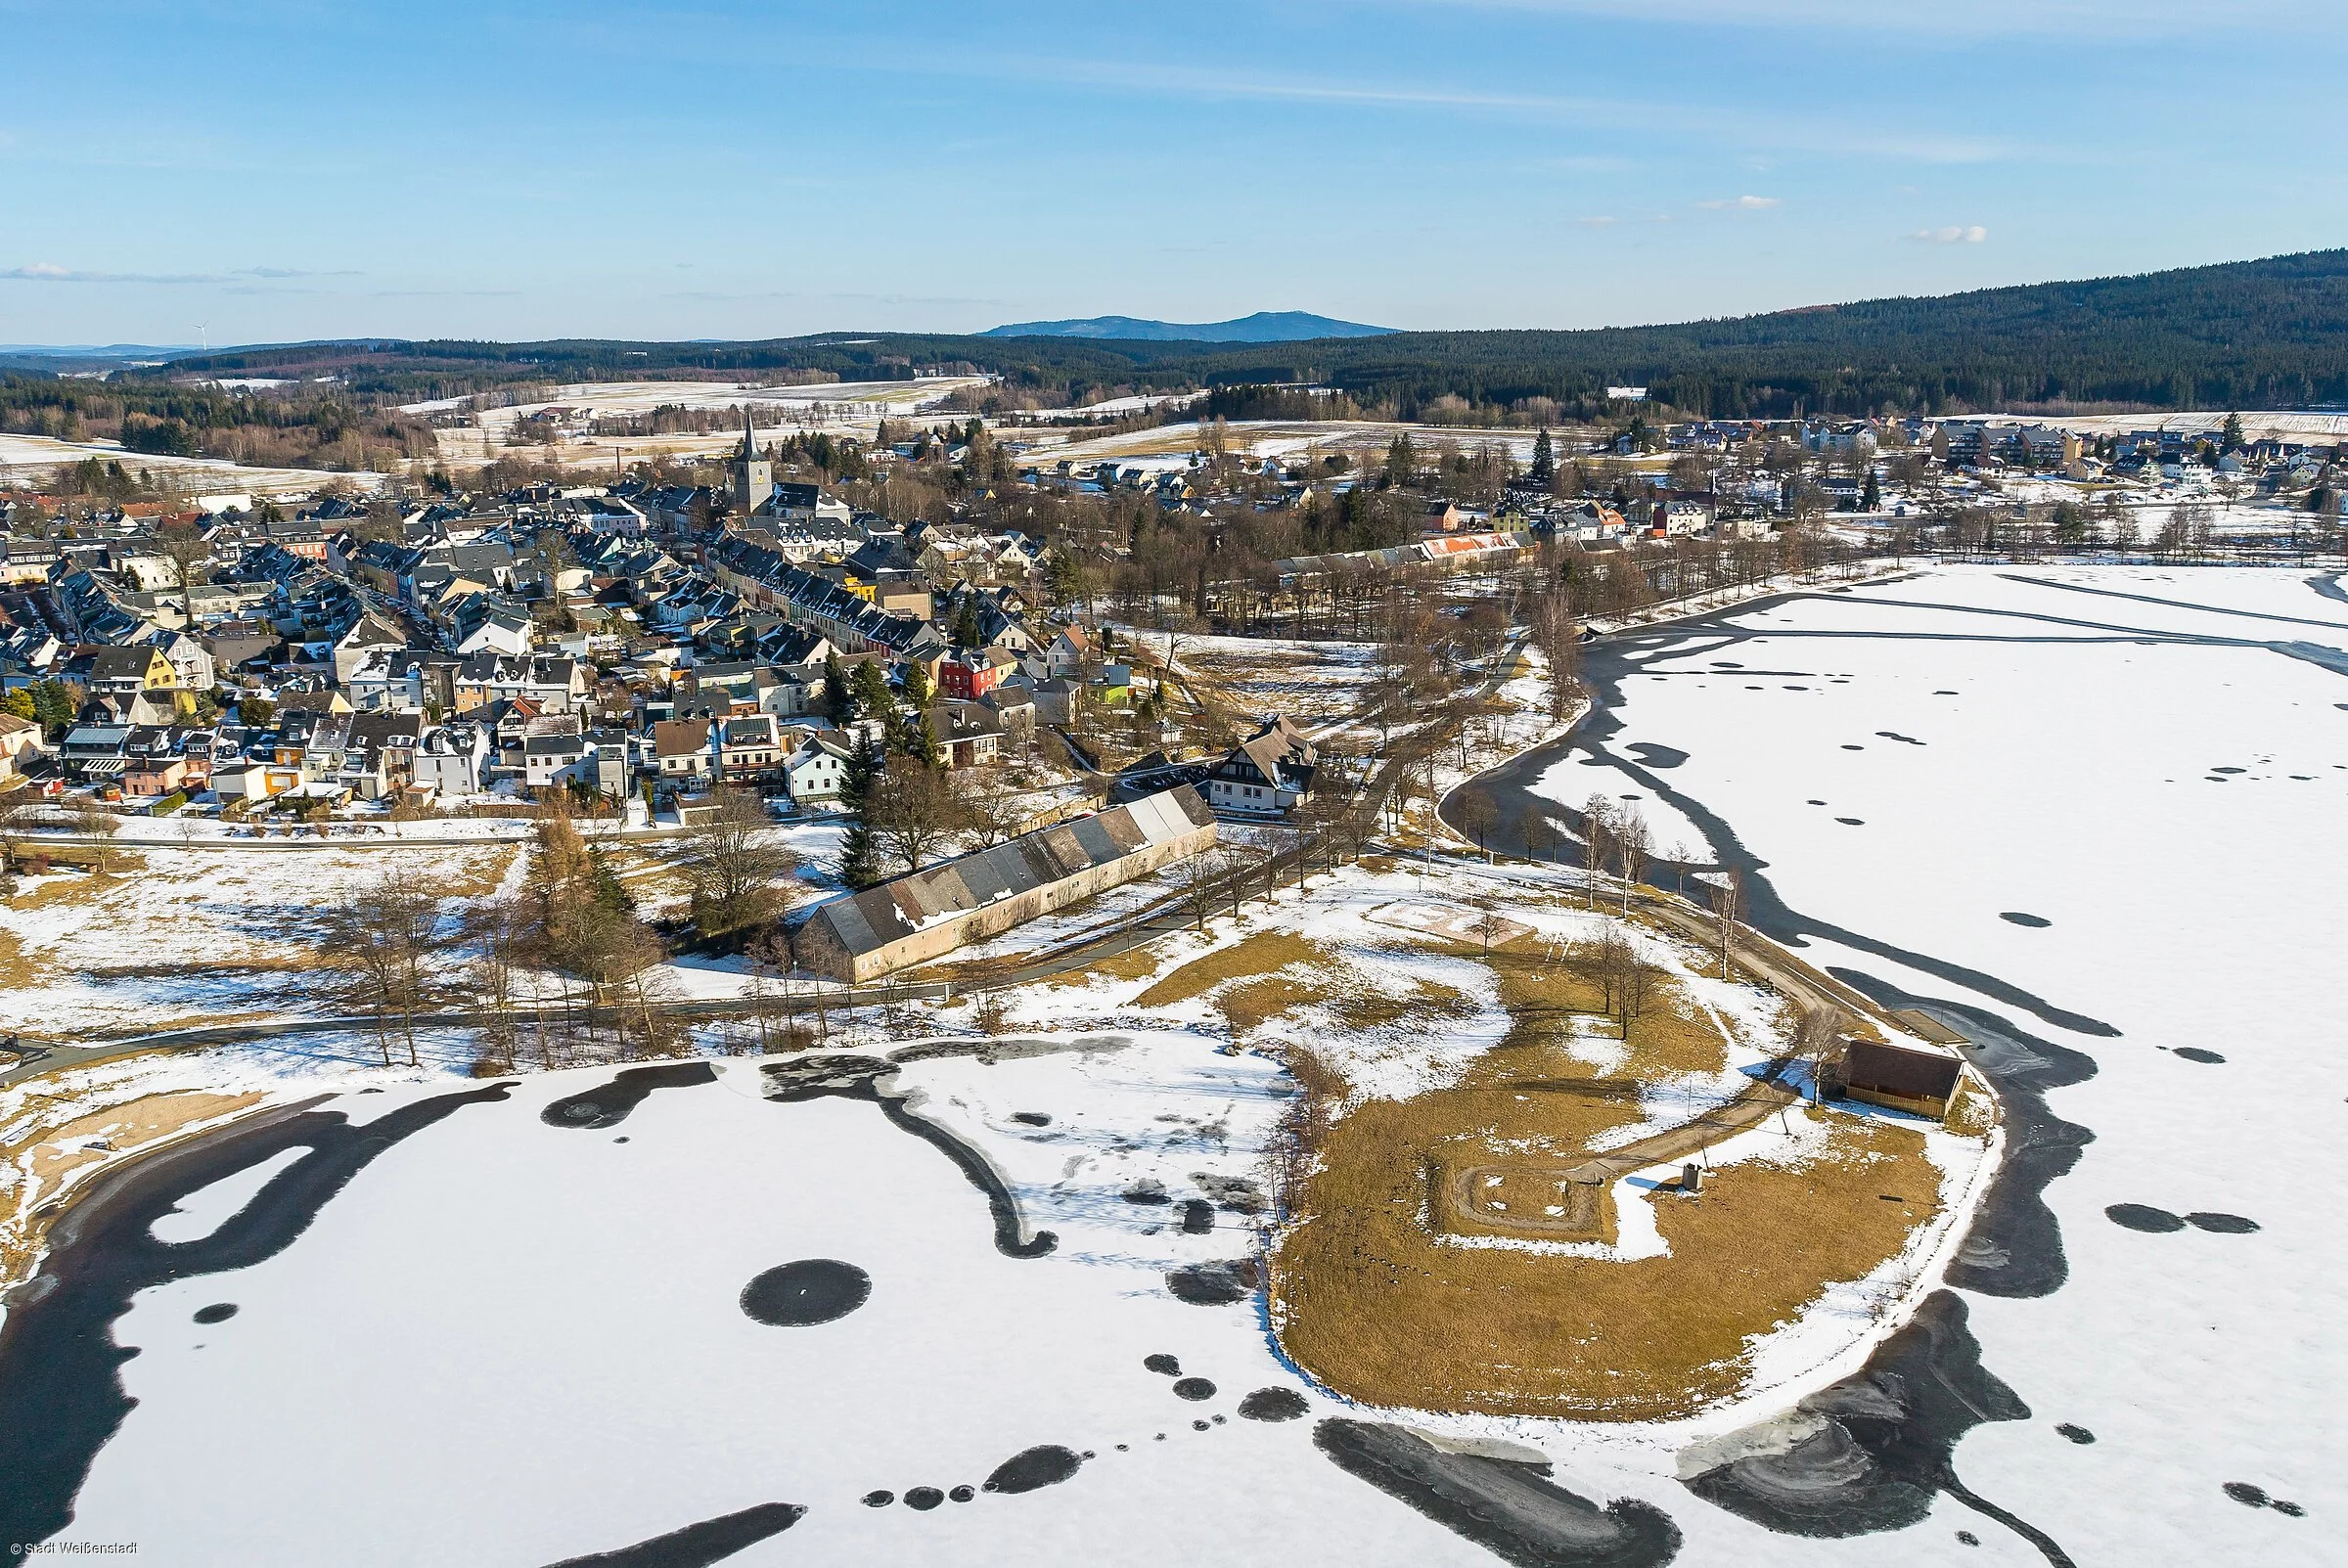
1596, 223
1954, 233
1741, 203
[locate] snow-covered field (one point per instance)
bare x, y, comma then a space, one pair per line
181, 936
40, 453
2102, 805
535, 1324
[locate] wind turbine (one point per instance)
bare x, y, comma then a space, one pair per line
204, 334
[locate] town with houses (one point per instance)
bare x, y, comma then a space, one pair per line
336, 656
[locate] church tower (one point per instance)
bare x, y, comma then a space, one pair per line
753, 477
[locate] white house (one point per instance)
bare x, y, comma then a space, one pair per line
451, 758
1270, 772
815, 773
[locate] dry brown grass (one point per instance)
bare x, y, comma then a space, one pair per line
1263, 955
1134, 963
77, 888
1543, 988
16, 969
477, 875
1372, 1303
1426, 1005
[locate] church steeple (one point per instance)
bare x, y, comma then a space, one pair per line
753, 477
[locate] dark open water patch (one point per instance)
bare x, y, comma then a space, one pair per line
1148, 1189
2222, 1223
698, 1545
1163, 1364
1197, 1216
1657, 756
1509, 1507
2076, 1434
61, 1388
1868, 1454
809, 1291
1194, 1389
1044, 1465
1903, 739
219, 1311
879, 1499
1849, 748
1273, 1404
2255, 1496
923, 1498
609, 1104
2014, 1247
805, 1078
2144, 1217
1852, 822
2195, 1053
961, 1495
2036, 922
2230, 770
1213, 1285
1032, 1118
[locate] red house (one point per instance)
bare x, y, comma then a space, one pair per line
975, 672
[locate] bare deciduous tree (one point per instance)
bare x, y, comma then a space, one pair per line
1481, 817
732, 864
495, 927
383, 939
1816, 1036
1727, 906
1597, 814
1489, 923
913, 811
1196, 876
1630, 849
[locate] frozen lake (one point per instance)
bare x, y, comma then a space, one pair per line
2097, 810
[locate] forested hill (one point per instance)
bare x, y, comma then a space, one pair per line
2253, 334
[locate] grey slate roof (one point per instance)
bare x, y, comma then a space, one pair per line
879, 915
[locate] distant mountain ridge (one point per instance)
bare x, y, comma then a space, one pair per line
1264, 327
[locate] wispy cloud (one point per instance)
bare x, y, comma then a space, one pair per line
1741, 203
51, 272
831, 299
1954, 233
1976, 18
1702, 117
1597, 222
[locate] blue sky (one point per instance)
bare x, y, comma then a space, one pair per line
282, 169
